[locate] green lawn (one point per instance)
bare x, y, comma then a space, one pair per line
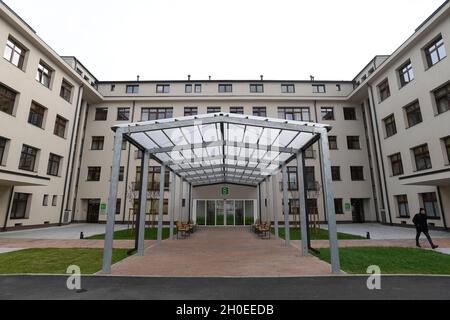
55, 261
319, 235
391, 260
150, 234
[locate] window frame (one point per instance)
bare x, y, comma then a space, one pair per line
256, 88
10, 95
339, 206
336, 173
155, 113
287, 88
123, 116
327, 113
406, 73
434, 45
54, 162
413, 111
44, 74
190, 111
163, 88
94, 174
402, 202
132, 89
3, 149
283, 112
333, 143
353, 143
66, 90
396, 164
434, 201
24, 204
97, 143
384, 90
101, 114
14, 53
444, 96
353, 113
225, 88
36, 115
319, 88
59, 127
210, 110
28, 153
259, 111
390, 126
237, 110
424, 155
353, 173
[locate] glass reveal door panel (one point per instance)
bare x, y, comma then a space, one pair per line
211, 213
229, 210
249, 213
201, 212
220, 216
239, 215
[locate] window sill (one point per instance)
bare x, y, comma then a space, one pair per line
49, 88
413, 125
434, 218
21, 69
33, 125
438, 114
430, 67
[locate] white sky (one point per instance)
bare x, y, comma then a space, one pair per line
227, 39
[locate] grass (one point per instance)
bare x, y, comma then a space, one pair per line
55, 261
391, 260
130, 234
319, 235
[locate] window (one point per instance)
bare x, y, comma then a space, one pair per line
406, 73
319, 88
154, 178
422, 157
101, 114
396, 164
430, 204
442, 97
188, 88
310, 176
292, 178
357, 173
287, 88
190, 111
327, 113
163, 88
225, 88
336, 173
338, 206
54, 201
198, 88
3, 142
60, 127
45, 200
121, 173
293, 207
97, 143
390, 126
113, 87
94, 173
118, 205
332, 140
54, 162
132, 88
260, 111
66, 91
214, 109
353, 143
237, 110
44, 74
384, 91
19, 206
435, 52
310, 153
299, 114
36, 115
123, 114
124, 144
156, 113
15, 53
28, 158
402, 204
338, 87
349, 114
7, 99
413, 114
446, 145
311, 206
256, 88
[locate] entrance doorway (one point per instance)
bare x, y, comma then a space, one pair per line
93, 211
358, 210
225, 212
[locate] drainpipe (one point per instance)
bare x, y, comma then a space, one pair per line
442, 208
8, 210
377, 128
71, 161
320, 167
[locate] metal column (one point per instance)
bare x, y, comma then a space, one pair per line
161, 203
287, 235
274, 204
190, 203
111, 216
329, 201
266, 202
302, 204
173, 186
143, 202
181, 200
258, 190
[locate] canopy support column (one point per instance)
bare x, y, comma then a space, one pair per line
302, 204
329, 202
287, 235
161, 204
143, 202
275, 206
181, 212
258, 190
266, 201
111, 215
173, 187
190, 203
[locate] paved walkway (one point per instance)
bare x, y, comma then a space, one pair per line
222, 252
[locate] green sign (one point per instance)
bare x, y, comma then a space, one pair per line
225, 191
103, 206
348, 206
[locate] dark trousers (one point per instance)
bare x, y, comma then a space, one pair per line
425, 232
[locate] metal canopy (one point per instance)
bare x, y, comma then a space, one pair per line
222, 147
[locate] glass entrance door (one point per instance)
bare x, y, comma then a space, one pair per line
225, 212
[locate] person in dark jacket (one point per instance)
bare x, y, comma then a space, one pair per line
420, 220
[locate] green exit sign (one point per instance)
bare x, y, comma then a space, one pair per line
225, 191
103, 206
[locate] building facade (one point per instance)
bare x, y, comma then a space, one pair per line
390, 145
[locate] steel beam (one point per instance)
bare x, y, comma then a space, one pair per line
143, 203
286, 206
275, 205
161, 204
173, 187
302, 204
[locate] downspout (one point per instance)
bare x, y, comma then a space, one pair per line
377, 128
128, 170
320, 167
71, 162
442, 208
8, 210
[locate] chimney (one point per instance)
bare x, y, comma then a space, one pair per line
262, 77
189, 77
138, 77
209, 78
312, 78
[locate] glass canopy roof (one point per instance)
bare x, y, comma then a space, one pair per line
222, 147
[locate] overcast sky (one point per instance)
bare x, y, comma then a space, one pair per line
227, 39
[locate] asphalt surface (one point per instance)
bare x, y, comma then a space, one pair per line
308, 288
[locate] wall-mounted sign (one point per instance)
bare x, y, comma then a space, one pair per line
103, 206
225, 191
348, 206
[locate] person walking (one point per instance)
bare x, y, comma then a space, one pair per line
420, 220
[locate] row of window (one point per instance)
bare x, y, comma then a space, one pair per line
434, 52
288, 113
16, 53
421, 156
224, 88
21, 201
428, 201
